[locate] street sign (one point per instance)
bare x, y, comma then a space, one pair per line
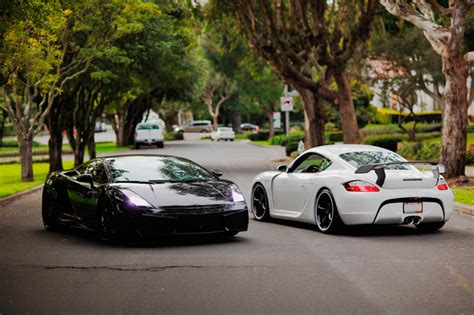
277, 120
286, 104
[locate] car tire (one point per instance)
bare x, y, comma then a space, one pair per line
326, 215
106, 227
49, 213
203, 131
231, 140
259, 203
160, 145
430, 226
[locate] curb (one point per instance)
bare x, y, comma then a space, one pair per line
465, 209
10, 198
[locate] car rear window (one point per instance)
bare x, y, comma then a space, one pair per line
225, 129
147, 126
360, 158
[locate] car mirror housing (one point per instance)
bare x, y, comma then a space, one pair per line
282, 168
217, 173
85, 178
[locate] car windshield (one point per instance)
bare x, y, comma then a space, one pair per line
147, 127
224, 129
360, 158
155, 169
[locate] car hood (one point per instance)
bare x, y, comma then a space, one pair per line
183, 194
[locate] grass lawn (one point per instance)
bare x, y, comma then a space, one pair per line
101, 147
464, 195
470, 139
263, 143
10, 180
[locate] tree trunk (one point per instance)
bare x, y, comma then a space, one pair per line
55, 146
454, 127
236, 121
26, 158
215, 121
314, 118
91, 147
79, 153
271, 128
347, 114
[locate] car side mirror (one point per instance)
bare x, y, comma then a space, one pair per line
217, 173
85, 178
283, 168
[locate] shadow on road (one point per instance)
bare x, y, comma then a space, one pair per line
81, 237
365, 230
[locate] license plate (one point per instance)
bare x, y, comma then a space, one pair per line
413, 207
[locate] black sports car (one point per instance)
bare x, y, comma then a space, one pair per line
143, 195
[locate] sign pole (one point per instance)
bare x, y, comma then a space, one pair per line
287, 123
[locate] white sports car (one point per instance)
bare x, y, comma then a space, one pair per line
336, 185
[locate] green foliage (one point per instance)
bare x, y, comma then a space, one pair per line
334, 136
388, 116
394, 128
171, 136
290, 147
388, 142
420, 150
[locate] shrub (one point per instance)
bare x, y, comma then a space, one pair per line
14, 143
259, 136
291, 147
388, 142
291, 138
334, 136
420, 150
276, 140
174, 136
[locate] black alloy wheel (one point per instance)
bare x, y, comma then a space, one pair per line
106, 226
260, 207
325, 213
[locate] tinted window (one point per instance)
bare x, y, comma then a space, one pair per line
96, 169
357, 159
225, 129
311, 159
144, 126
155, 168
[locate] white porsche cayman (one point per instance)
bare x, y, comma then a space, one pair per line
336, 185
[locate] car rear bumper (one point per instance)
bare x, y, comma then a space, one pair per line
387, 205
150, 225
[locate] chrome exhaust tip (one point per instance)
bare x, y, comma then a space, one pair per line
416, 220
408, 220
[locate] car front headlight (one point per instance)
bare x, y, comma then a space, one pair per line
237, 195
135, 200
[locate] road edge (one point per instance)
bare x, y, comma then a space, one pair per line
462, 208
10, 198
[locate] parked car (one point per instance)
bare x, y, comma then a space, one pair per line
336, 185
223, 133
249, 127
143, 196
148, 134
196, 126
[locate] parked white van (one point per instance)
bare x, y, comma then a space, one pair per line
148, 134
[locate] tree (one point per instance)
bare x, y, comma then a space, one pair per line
33, 49
217, 90
444, 29
309, 44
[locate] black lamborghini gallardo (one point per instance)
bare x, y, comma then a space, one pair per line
144, 196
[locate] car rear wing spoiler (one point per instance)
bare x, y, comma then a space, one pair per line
379, 169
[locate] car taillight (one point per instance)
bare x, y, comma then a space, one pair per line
442, 187
360, 186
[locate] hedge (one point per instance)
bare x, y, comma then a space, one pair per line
174, 136
387, 116
291, 147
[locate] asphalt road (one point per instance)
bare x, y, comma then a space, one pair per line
273, 268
